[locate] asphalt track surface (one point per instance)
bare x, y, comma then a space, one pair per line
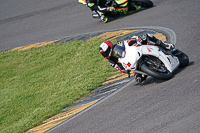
154, 107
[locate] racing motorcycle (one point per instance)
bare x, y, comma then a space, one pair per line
151, 60
134, 5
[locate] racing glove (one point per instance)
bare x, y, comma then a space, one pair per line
110, 9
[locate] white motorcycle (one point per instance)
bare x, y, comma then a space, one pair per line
151, 60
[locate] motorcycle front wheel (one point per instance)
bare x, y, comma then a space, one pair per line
156, 71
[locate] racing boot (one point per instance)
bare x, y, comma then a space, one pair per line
167, 46
158, 42
104, 19
95, 15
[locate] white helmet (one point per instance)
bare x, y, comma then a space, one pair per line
106, 49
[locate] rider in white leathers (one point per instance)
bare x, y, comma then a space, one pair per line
108, 50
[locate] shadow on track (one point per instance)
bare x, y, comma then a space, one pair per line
151, 80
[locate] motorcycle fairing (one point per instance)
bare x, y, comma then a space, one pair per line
133, 54
129, 62
170, 62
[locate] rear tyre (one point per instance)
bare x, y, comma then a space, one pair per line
182, 57
144, 3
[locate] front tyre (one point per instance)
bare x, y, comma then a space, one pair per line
160, 72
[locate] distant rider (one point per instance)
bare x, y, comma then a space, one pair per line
100, 7
107, 49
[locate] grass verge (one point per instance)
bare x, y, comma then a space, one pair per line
38, 83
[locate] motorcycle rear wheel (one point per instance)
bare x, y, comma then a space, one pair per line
182, 57
143, 3
158, 72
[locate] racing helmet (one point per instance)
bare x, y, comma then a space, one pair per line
91, 3
106, 49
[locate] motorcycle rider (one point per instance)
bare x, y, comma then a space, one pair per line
107, 49
100, 7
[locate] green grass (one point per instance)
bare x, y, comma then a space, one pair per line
38, 83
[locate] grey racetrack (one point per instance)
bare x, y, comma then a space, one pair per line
171, 106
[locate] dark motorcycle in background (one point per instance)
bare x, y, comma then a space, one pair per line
134, 5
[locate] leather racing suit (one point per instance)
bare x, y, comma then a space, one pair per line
100, 7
